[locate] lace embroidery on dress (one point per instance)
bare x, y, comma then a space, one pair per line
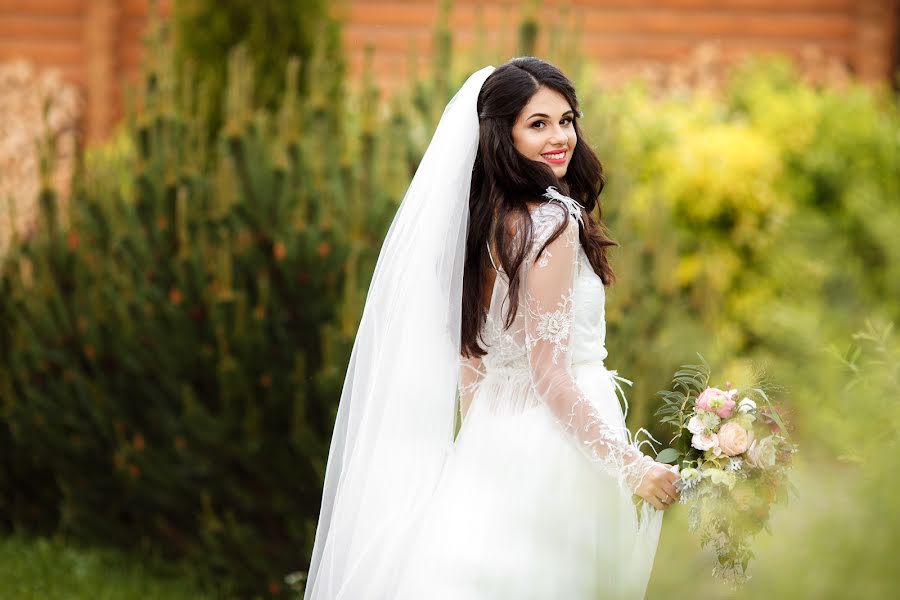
553, 326
545, 259
505, 352
537, 344
547, 296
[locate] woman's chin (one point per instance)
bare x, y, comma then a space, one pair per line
558, 170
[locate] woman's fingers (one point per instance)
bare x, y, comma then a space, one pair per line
670, 489
664, 486
666, 495
663, 493
668, 485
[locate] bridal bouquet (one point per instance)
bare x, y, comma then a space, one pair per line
734, 453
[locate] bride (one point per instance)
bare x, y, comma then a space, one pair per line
488, 298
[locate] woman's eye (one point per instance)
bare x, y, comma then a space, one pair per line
564, 121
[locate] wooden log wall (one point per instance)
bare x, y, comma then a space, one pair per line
625, 34
97, 43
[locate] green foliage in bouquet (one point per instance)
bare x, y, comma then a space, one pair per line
678, 404
734, 461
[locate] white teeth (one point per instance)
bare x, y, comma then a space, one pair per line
559, 156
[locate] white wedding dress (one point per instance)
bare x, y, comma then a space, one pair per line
535, 500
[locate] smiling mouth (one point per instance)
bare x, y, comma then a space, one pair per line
559, 156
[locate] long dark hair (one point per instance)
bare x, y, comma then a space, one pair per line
505, 182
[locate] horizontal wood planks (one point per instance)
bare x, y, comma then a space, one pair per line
611, 30
614, 33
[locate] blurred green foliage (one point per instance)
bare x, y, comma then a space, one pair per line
271, 32
732, 243
51, 569
170, 365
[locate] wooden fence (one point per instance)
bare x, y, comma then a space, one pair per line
97, 43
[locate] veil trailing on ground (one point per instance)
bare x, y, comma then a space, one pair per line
395, 421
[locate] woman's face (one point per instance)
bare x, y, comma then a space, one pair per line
545, 130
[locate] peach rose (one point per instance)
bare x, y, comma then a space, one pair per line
734, 439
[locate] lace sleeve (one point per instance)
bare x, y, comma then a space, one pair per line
471, 372
547, 297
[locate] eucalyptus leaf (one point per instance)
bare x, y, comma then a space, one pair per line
668, 456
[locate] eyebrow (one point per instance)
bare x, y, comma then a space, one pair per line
548, 116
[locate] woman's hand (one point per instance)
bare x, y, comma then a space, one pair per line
658, 486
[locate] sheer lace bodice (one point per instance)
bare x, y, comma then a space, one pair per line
559, 323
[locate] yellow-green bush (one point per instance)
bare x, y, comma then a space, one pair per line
760, 229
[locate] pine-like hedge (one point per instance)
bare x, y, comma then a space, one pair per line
170, 363
272, 32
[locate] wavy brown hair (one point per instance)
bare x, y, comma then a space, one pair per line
505, 183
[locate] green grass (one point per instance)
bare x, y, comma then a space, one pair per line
45, 569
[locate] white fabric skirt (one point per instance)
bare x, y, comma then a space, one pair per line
520, 512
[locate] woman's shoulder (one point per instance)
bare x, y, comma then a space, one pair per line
547, 212
548, 216
547, 219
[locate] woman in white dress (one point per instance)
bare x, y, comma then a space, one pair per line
534, 499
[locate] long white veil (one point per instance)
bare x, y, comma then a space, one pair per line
396, 417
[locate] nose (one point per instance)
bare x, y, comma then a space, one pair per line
558, 136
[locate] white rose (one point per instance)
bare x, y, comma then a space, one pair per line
746, 405
762, 453
695, 425
705, 441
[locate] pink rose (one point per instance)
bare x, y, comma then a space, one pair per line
733, 438
727, 409
716, 401
710, 399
